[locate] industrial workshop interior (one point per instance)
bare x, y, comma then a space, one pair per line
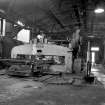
52, 52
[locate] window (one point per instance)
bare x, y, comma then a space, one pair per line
24, 35
94, 48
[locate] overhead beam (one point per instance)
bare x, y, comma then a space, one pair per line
56, 19
52, 16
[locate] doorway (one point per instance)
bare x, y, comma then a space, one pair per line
94, 51
93, 58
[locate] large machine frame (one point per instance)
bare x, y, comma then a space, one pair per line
30, 58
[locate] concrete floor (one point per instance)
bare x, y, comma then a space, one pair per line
20, 91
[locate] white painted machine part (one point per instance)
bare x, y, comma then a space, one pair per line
47, 49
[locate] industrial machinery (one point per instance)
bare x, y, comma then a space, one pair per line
6, 45
39, 57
